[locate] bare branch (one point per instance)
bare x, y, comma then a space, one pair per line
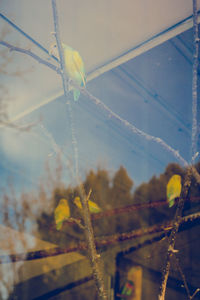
194, 294
172, 238
183, 276
26, 127
196, 175
60, 48
31, 54
65, 82
134, 129
128, 209
94, 258
77, 222
100, 242
194, 81
190, 297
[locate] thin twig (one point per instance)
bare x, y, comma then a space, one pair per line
26, 35
194, 294
190, 297
194, 81
94, 257
77, 222
166, 227
31, 54
25, 127
182, 275
196, 174
57, 149
134, 129
174, 231
141, 133
60, 48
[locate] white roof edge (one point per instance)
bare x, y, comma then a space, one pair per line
143, 47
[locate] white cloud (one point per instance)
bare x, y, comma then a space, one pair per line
23, 147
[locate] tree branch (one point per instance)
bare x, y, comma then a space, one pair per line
134, 129
191, 170
182, 275
31, 54
125, 210
195, 174
100, 242
26, 127
172, 238
194, 294
194, 80
60, 48
94, 258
